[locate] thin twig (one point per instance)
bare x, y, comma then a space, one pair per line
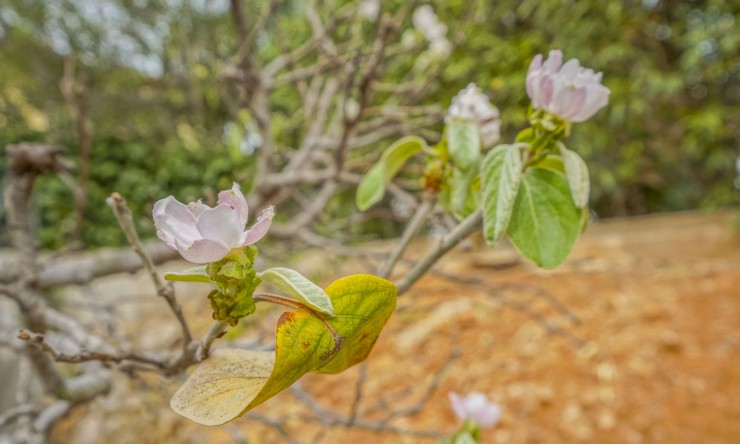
416, 222
523, 308
38, 340
15, 412
74, 94
216, 331
359, 386
167, 291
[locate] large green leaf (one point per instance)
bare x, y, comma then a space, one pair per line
463, 141
576, 172
544, 223
501, 175
372, 186
294, 284
233, 382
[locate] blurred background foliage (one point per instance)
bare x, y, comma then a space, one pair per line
163, 122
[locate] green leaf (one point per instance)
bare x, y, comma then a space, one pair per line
372, 186
396, 156
195, 274
501, 175
463, 140
544, 223
462, 197
297, 286
233, 382
371, 189
464, 438
577, 173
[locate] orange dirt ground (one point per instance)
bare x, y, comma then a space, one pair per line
646, 351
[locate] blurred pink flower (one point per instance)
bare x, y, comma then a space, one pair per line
475, 407
568, 90
202, 234
471, 104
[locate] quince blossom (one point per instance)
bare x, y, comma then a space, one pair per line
202, 234
476, 408
568, 90
471, 104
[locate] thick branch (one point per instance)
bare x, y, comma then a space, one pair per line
460, 232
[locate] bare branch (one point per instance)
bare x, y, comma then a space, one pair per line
416, 222
460, 232
167, 291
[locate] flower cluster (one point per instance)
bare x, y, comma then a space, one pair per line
476, 408
434, 31
569, 91
471, 104
202, 234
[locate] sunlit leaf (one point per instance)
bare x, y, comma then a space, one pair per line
218, 389
222, 390
295, 285
544, 223
501, 175
195, 274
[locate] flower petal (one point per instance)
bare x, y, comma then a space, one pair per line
221, 224
597, 97
570, 70
197, 207
488, 416
174, 222
260, 228
204, 251
553, 62
235, 199
458, 406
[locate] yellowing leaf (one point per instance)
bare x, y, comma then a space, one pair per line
216, 392
223, 388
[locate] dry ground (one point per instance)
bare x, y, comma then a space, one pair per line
646, 350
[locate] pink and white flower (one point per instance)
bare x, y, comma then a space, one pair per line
568, 90
471, 104
202, 234
476, 408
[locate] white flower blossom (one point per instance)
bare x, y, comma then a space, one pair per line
476, 408
202, 234
568, 90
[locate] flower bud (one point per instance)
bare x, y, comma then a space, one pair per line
471, 104
476, 408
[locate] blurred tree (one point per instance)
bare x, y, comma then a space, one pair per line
163, 119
